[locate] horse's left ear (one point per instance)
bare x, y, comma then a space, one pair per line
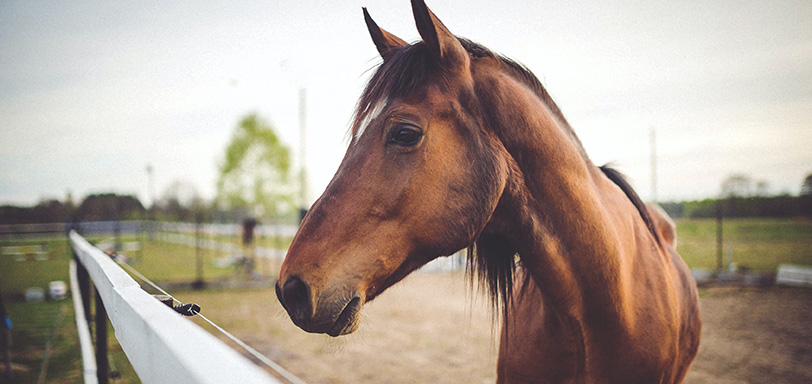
442, 43
384, 41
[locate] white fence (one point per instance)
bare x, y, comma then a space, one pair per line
220, 246
184, 234
794, 275
161, 345
265, 230
85, 340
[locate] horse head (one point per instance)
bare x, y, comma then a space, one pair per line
418, 181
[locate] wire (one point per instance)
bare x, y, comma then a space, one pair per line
276, 367
270, 363
144, 278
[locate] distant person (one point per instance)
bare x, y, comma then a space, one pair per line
248, 226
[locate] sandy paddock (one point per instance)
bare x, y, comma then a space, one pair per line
435, 328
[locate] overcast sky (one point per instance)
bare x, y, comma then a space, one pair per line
93, 91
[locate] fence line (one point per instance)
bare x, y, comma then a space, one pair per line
220, 246
160, 344
232, 229
129, 226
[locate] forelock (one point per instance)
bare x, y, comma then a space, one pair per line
400, 75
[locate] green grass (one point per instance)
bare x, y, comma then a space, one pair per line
158, 260
34, 325
168, 262
16, 276
163, 262
758, 244
35, 322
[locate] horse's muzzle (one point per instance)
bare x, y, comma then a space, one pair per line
336, 316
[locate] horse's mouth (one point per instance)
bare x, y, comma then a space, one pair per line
348, 320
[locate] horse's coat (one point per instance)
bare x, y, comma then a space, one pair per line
453, 147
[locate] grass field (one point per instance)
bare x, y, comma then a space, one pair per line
39, 324
758, 244
755, 243
34, 322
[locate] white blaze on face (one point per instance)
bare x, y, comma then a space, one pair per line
373, 114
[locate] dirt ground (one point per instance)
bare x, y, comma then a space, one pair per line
755, 336
434, 328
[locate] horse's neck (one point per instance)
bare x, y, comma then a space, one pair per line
556, 210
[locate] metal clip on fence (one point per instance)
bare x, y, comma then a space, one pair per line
183, 309
187, 309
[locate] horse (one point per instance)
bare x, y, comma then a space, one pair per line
453, 146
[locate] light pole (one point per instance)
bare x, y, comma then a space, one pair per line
302, 152
653, 137
151, 209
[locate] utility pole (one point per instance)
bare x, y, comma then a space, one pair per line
151, 186
302, 152
151, 209
653, 139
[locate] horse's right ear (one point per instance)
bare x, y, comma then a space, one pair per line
384, 41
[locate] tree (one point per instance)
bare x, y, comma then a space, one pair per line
109, 206
47, 211
806, 187
806, 196
737, 185
254, 178
181, 201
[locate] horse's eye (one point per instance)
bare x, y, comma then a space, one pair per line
405, 135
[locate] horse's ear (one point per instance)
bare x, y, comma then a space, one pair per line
384, 41
442, 43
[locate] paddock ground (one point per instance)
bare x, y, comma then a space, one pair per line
435, 328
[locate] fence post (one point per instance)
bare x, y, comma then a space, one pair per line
103, 368
199, 282
117, 235
140, 239
719, 218
83, 279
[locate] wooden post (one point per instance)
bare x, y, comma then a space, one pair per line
84, 285
719, 251
103, 366
140, 239
199, 282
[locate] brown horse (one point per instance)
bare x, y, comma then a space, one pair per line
454, 146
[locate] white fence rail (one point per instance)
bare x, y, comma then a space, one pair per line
265, 230
220, 246
161, 345
85, 341
794, 275
184, 234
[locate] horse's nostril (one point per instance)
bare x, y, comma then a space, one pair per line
279, 294
295, 291
296, 299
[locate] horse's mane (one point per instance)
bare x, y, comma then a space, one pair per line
490, 257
